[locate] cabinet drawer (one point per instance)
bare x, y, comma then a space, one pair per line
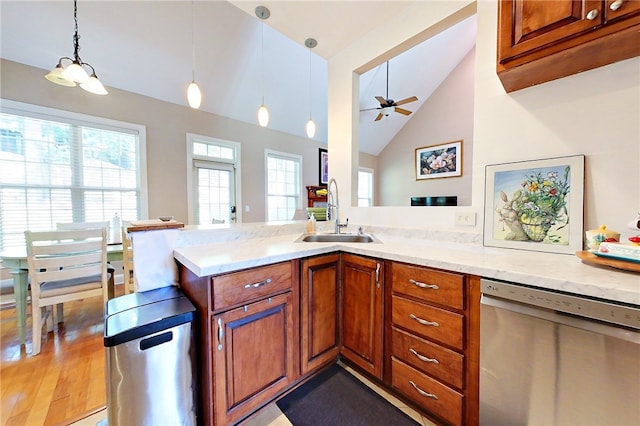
429, 321
245, 286
440, 287
441, 363
427, 392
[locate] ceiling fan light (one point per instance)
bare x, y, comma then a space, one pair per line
263, 116
387, 110
76, 73
311, 129
56, 76
93, 85
194, 96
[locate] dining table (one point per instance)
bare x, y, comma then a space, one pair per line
15, 259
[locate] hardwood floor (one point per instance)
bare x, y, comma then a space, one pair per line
63, 383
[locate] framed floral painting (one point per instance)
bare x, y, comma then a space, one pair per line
535, 205
439, 161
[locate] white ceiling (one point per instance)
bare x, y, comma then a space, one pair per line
145, 47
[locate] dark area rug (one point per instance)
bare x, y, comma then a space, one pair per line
336, 398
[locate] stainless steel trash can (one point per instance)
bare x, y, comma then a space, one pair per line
148, 338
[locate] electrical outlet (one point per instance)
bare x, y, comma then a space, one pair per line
465, 219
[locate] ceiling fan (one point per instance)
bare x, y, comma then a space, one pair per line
387, 105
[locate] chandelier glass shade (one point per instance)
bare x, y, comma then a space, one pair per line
73, 71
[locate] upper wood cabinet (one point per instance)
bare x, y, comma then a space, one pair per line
543, 40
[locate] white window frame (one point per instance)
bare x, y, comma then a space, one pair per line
191, 158
294, 157
51, 114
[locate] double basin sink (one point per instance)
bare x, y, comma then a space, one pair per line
337, 238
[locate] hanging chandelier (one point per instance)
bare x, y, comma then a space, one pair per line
74, 72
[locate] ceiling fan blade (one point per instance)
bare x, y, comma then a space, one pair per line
403, 111
381, 100
406, 101
369, 109
379, 117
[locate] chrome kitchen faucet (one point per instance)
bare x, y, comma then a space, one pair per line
333, 203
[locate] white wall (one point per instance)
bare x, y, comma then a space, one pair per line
446, 116
167, 125
596, 113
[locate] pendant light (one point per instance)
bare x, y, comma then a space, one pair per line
263, 113
311, 126
194, 97
74, 72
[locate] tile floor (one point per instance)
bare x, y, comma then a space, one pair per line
272, 416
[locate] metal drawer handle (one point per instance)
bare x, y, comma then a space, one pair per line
220, 333
423, 285
424, 321
592, 14
615, 5
422, 357
423, 393
258, 284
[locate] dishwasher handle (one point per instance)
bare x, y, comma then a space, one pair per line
564, 319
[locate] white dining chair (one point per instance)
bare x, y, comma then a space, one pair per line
127, 261
64, 266
83, 225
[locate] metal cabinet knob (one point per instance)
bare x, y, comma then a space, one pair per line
592, 14
616, 5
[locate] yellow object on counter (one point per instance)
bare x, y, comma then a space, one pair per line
602, 234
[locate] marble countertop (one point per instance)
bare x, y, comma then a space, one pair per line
545, 270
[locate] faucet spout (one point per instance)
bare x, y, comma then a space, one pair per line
333, 206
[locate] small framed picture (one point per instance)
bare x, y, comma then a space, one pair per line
323, 167
439, 161
535, 205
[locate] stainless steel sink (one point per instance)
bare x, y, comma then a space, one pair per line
337, 238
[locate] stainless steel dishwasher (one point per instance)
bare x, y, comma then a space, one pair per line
551, 358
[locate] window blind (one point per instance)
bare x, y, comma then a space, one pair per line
64, 170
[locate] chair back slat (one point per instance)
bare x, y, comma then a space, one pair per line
53, 273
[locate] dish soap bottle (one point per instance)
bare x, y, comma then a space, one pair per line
311, 224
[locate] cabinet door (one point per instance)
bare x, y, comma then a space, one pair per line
529, 25
362, 319
319, 311
253, 356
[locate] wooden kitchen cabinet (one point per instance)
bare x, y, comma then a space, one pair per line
540, 41
253, 356
248, 331
433, 346
362, 312
319, 313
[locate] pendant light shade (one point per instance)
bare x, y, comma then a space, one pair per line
75, 72
311, 126
263, 113
311, 129
194, 96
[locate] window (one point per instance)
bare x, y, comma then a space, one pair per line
63, 167
365, 187
215, 172
284, 174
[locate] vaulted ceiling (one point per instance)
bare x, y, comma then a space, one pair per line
146, 47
